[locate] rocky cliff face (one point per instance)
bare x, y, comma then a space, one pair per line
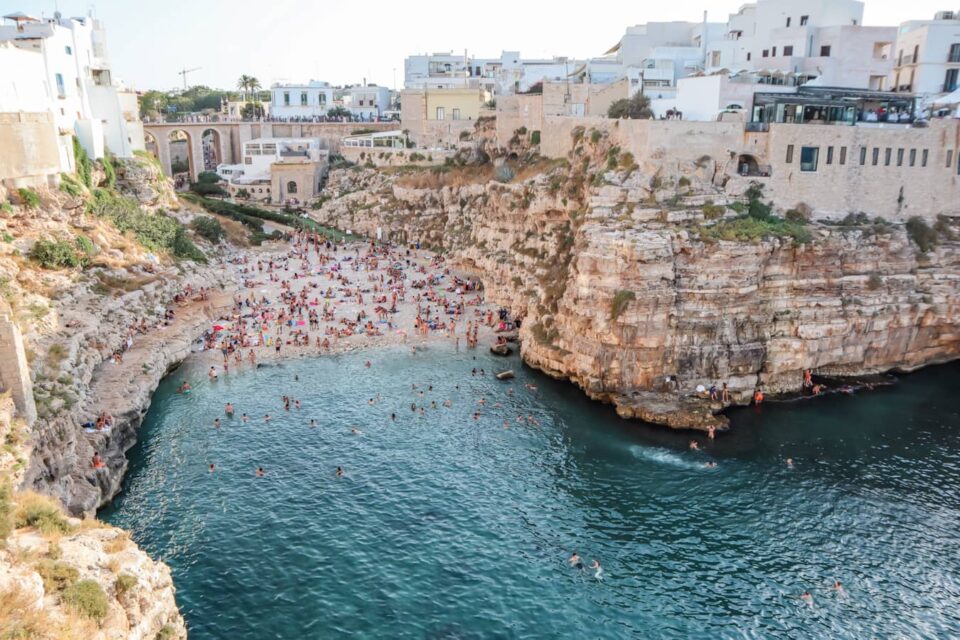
623, 291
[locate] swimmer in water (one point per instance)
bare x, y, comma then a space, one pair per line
245, 417
339, 472
790, 463
212, 373
597, 570
356, 431
575, 561
806, 597
711, 432
694, 445
212, 467
216, 423
229, 409
393, 417
313, 423
710, 465
266, 417
184, 387
260, 472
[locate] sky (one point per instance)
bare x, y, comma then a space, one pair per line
345, 42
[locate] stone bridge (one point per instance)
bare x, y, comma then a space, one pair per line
228, 137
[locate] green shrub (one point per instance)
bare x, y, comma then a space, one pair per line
800, 214
208, 189
504, 173
595, 136
86, 247
70, 186
56, 575
124, 583
535, 138
627, 161
683, 182
88, 599
209, 228
208, 177
712, 211
55, 254
253, 216
464, 135
84, 166
109, 172
6, 237
922, 234
29, 198
183, 247
166, 633
621, 299
6, 510
747, 228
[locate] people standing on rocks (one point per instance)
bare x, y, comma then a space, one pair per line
758, 396
97, 461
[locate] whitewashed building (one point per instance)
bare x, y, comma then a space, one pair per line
368, 102
85, 99
278, 170
309, 100
928, 55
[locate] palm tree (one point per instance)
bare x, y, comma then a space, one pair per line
254, 85
244, 84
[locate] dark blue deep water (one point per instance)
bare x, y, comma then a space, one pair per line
450, 527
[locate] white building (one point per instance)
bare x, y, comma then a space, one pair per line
796, 41
928, 55
308, 101
368, 102
85, 98
270, 165
506, 75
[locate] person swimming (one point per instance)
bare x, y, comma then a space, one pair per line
212, 467
597, 570
245, 417
266, 417
710, 465
339, 472
356, 431
229, 409
216, 423
313, 423
694, 445
184, 388
808, 598
260, 472
212, 373
790, 463
575, 561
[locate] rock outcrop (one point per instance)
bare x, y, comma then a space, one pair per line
624, 293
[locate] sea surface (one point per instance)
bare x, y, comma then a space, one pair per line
446, 526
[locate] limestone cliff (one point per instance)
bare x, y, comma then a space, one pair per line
629, 289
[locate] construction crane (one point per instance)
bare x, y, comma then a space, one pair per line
184, 73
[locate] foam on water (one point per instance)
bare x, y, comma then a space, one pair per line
665, 457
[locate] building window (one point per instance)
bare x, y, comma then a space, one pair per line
68, 51
899, 157
440, 113
829, 155
456, 114
913, 157
61, 89
286, 98
788, 50
291, 187
843, 156
825, 51
766, 53
954, 53
788, 22
863, 156
916, 54
808, 158
804, 20
924, 157
303, 99
774, 52
887, 156
789, 154
247, 160
950, 82
749, 55
949, 158
876, 156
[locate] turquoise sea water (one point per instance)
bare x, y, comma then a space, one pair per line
450, 527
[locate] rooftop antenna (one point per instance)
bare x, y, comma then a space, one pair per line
184, 73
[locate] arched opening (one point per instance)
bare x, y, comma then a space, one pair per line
181, 162
150, 144
210, 141
747, 165
291, 187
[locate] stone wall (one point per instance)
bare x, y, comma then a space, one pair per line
29, 155
14, 370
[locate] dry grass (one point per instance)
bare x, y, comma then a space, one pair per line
443, 177
40, 512
544, 165
118, 544
19, 618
